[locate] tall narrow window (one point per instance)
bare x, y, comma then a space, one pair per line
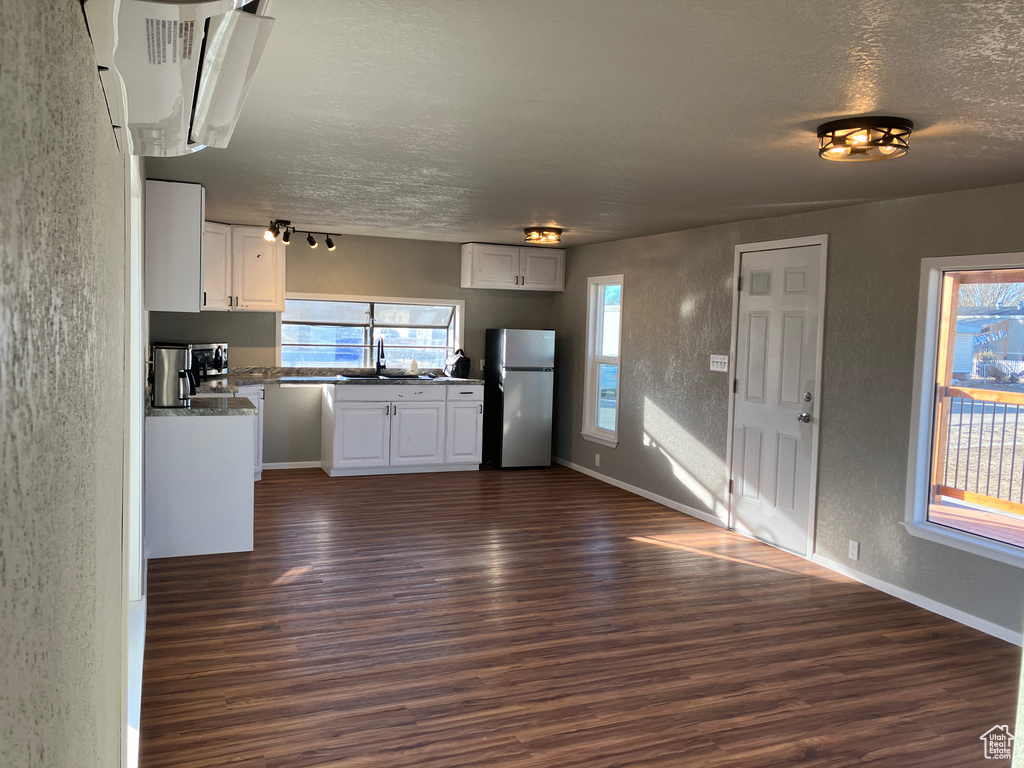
968, 472
604, 313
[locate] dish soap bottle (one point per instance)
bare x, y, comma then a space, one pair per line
414, 367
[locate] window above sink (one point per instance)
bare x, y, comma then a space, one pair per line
327, 331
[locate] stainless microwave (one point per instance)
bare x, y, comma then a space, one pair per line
209, 361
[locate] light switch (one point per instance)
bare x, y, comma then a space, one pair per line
720, 363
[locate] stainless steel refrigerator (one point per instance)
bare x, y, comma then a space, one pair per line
519, 373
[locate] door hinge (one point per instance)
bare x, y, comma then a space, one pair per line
730, 486
739, 284
735, 386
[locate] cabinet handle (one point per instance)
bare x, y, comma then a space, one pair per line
481, 409
236, 301
229, 301
204, 298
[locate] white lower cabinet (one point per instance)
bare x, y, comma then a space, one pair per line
465, 425
255, 394
417, 434
392, 428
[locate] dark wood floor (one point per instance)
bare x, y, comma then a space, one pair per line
541, 618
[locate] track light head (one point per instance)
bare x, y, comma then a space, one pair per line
330, 243
287, 236
272, 231
311, 240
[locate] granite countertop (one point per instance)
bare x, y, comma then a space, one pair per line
247, 376
208, 406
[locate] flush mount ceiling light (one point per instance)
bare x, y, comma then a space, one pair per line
855, 139
543, 234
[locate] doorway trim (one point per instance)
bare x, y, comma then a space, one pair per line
775, 245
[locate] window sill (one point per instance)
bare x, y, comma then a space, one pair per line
611, 442
966, 542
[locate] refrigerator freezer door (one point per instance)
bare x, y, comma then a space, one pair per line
529, 349
526, 422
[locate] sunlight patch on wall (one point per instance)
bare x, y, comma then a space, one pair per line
696, 467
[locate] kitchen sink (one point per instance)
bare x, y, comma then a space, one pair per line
360, 376
405, 376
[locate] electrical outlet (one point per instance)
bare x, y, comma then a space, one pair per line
854, 550
597, 459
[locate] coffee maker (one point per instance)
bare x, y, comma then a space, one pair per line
171, 378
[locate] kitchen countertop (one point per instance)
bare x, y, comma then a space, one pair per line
209, 406
241, 377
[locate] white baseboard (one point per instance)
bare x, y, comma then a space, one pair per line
970, 620
292, 465
664, 501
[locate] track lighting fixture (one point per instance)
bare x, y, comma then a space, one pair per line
330, 243
287, 236
311, 240
276, 225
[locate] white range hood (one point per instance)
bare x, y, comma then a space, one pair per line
175, 74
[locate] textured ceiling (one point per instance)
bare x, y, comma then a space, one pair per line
465, 120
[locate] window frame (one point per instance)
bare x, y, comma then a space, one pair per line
591, 431
923, 408
459, 306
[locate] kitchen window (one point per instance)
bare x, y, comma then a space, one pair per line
601, 400
342, 332
966, 470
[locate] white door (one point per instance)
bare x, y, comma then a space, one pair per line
417, 433
542, 269
464, 433
362, 435
495, 266
216, 266
775, 400
257, 271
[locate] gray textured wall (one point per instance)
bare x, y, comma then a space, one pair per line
61, 409
677, 303
359, 266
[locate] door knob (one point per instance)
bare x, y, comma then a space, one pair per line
804, 417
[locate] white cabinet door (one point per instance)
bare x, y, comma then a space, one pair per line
174, 246
255, 394
217, 267
257, 271
417, 433
542, 269
490, 266
362, 435
464, 433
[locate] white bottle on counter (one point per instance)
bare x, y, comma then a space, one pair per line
414, 367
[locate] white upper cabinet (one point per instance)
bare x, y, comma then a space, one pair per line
257, 271
512, 267
242, 271
217, 267
174, 246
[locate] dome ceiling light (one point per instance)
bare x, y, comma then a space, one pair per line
543, 234
856, 139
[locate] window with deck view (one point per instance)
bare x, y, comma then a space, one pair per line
601, 409
975, 470
329, 333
